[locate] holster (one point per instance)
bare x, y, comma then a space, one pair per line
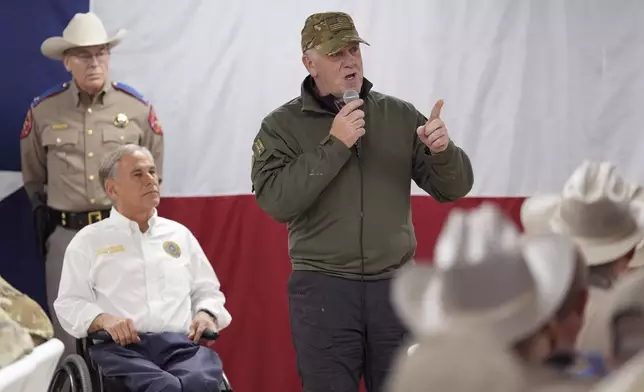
44, 227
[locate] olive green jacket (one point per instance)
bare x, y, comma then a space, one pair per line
349, 215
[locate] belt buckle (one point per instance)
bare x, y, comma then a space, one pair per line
94, 216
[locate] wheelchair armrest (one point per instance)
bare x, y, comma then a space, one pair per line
105, 336
100, 335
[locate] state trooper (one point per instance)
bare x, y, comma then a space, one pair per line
67, 130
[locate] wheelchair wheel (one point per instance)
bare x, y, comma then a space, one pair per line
224, 386
74, 373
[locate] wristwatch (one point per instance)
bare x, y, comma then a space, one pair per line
209, 313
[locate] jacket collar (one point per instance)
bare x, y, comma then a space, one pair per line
311, 104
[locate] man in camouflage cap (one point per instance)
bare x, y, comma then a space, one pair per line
340, 177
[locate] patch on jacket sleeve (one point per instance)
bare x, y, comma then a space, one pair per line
57, 89
258, 148
154, 122
28, 124
129, 90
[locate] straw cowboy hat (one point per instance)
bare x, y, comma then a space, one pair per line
83, 30
594, 208
486, 277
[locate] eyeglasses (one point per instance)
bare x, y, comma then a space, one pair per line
87, 57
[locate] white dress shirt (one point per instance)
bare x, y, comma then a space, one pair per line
160, 279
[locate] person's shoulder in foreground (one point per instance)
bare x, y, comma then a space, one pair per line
14, 340
26, 312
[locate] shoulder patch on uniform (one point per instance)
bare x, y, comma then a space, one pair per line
154, 122
129, 90
28, 124
57, 89
258, 147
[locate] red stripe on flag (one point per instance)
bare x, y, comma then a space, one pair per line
249, 253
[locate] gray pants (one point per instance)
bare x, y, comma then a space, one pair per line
56, 246
343, 330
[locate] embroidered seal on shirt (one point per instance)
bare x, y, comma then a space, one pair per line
172, 249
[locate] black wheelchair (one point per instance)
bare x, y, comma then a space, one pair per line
81, 374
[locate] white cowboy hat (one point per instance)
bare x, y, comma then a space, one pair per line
83, 30
594, 208
486, 276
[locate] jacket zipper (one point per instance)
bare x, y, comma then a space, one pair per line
361, 235
363, 294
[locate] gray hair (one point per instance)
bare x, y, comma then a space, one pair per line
107, 169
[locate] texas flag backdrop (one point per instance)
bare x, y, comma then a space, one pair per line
531, 89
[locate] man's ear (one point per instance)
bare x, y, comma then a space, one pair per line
66, 61
110, 188
309, 64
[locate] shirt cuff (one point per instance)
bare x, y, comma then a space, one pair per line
440, 157
336, 146
222, 316
85, 318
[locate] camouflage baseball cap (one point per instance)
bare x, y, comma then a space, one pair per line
329, 32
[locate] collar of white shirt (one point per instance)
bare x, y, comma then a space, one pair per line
125, 223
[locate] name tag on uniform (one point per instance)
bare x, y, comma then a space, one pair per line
111, 250
60, 126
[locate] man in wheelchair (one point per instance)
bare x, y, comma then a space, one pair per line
147, 282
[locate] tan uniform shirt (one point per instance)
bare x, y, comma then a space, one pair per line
66, 134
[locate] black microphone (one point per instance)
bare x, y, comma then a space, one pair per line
350, 96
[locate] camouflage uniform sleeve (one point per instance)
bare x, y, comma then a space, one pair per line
286, 183
14, 340
34, 160
26, 312
446, 176
153, 140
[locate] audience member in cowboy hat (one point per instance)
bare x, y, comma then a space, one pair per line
623, 324
458, 361
84, 38
486, 278
625, 336
595, 209
629, 378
